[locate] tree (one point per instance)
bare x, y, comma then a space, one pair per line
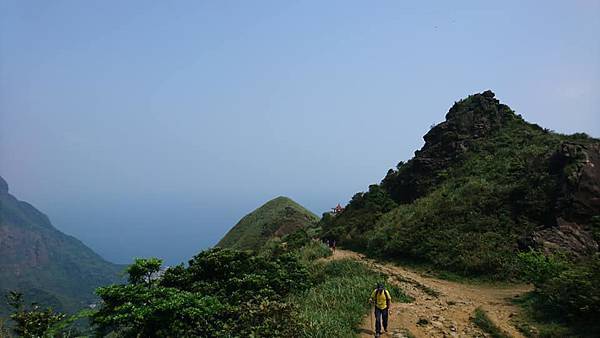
144, 270
33, 321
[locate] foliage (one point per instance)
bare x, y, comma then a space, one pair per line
143, 270
4, 330
565, 291
361, 215
533, 322
222, 292
33, 321
313, 250
538, 268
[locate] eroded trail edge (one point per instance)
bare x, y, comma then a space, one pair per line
441, 308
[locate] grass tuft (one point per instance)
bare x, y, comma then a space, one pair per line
484, 322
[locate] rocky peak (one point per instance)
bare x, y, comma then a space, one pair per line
471, 118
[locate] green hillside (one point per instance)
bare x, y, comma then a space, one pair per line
276, 218
49, 267
485, 185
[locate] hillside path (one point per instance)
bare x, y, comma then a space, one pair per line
446, 306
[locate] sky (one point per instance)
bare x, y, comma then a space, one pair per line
149, 128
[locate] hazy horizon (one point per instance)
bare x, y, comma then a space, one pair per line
151, 129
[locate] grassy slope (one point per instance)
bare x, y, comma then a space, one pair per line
277, 217
335, 306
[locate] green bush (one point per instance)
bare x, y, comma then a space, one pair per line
575, 292
221, 292
538, 268
314, 250
566, 291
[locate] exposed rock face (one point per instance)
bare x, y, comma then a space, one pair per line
579, 197
578, 200
569, 237
467, 120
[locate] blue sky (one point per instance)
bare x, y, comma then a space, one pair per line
149, 128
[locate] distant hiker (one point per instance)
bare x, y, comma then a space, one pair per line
381, 297
333, 245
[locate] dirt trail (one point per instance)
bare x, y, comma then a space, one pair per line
446, 306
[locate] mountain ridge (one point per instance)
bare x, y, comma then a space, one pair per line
48, 266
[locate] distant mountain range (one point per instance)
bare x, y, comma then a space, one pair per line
276, 218
49, 267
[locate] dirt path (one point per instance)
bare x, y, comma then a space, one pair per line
447, 307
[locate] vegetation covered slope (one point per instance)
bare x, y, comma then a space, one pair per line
276, 218
240, 293
485, 184
48, 266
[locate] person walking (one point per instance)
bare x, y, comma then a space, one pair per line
382, 300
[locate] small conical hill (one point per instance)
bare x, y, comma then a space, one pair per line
276, 218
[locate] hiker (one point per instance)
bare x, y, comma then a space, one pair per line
333, 246
381, 297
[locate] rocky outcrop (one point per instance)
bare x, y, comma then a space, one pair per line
579, 191
469, 119
568, 237
578, 200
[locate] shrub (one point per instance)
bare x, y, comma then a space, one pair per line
314, 250
565, 291
538, 268
222, 292
31, 321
